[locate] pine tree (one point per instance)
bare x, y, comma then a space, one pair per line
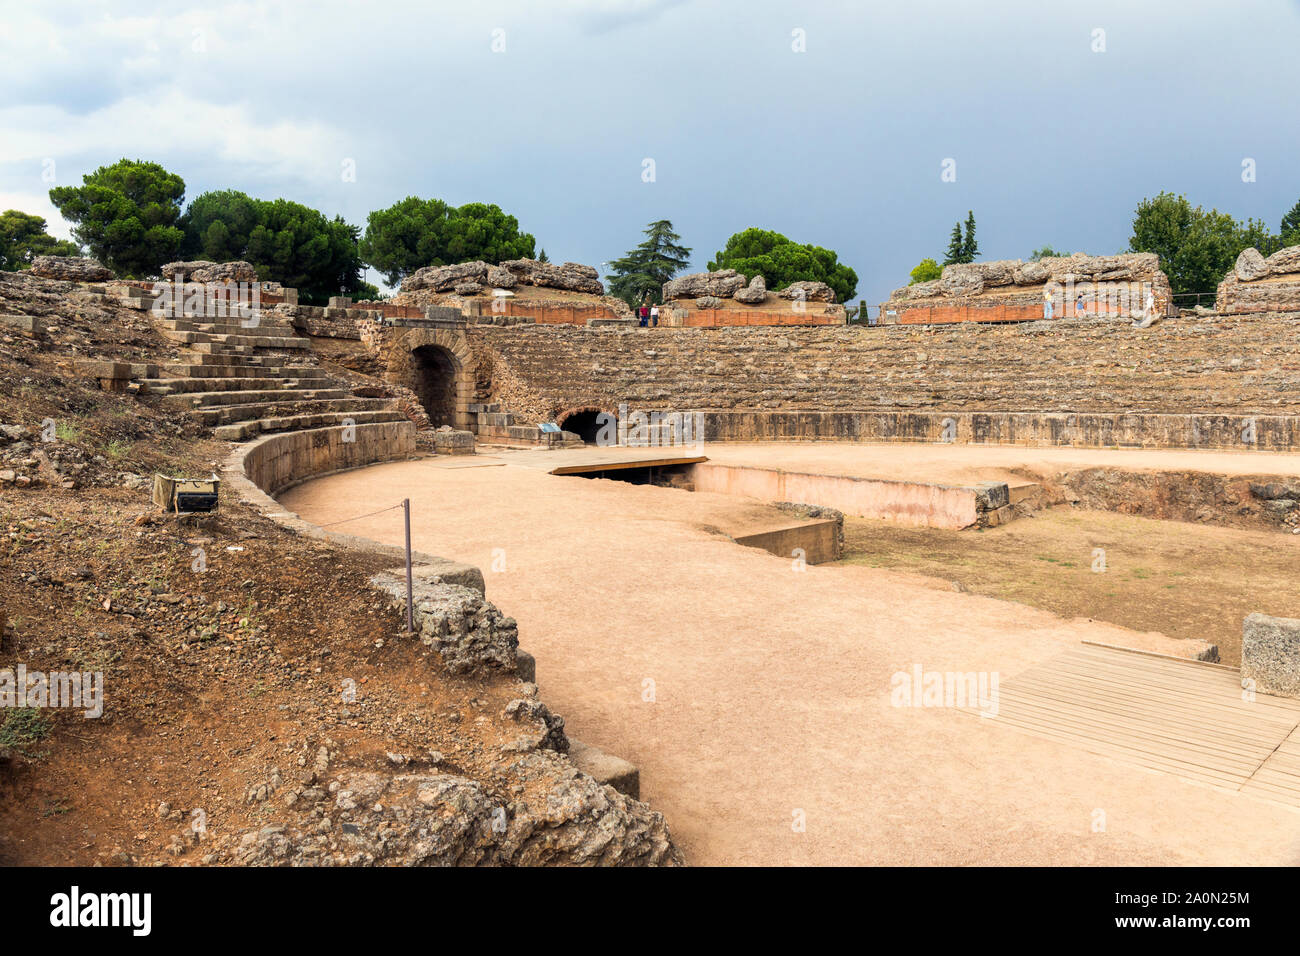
1290, 231
645, 269
970, 248
542, 257
956, 248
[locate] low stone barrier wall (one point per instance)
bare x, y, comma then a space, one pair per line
913, 503
820, 541
280, 461
273, 463
1084, 430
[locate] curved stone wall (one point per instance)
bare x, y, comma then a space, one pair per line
280, 461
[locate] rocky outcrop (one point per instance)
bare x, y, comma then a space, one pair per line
1261, 284
724, 283
454, 619
752, 294
1019, 287
202, 270
571, 276
548, 728
501, 278
1251, 265
444, 278
551, 814
1284, 261
70, 269
974, 278
808, 292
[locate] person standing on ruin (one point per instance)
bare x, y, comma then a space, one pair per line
654, 315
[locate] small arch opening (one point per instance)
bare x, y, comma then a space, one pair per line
585, 424
435, 383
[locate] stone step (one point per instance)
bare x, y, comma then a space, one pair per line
228, 414
233, 327
241, 431
220, 348
249, 339
218, 359
221, 373
230, 384
201, 399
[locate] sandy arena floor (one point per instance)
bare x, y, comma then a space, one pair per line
752, 695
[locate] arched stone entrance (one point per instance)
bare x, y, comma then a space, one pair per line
584, 422
436, 365
435, 383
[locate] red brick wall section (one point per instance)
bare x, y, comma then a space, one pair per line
560, 314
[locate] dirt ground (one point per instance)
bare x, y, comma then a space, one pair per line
1184, 580
755, 698
212, 677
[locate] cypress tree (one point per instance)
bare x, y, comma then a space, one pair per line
970, 248
956, 248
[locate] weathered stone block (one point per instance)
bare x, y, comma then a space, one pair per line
23, 323
452, 442
1270, 654
606, 769
525, 666
992, 495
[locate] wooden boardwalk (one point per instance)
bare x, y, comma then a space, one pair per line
1181, 717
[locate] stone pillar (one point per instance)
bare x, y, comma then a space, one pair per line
1270, 654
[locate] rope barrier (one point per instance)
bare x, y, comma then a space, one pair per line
359, 517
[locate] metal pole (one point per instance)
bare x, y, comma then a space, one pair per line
410, 611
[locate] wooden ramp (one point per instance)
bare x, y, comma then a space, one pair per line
1181, 717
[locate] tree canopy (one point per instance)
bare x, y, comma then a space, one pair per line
285, 241
1196, 248
781, 261
645, 269
126, 214
1289, 233
23, 238
416, 232
927, 270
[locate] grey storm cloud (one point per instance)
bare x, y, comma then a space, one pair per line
840, 144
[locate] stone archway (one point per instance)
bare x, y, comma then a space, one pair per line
583, 421
436, 365
435, 383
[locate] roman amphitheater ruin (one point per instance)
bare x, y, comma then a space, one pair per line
700, 529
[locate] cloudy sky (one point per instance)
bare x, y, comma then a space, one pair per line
828, 121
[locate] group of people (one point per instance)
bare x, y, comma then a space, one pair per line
648, 315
